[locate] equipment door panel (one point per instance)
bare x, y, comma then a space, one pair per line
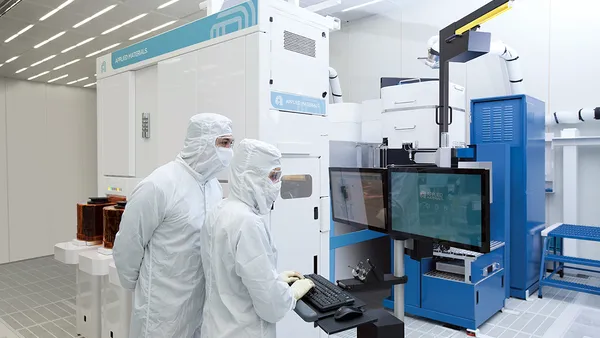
295, 228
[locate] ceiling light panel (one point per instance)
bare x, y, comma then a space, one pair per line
21, 70
58, 78
18, 33
44, 60
77, 45
12, 59
54, 37
84, 21
361, 5
152, 30
166, 4
66, 64
90, 84
124, 23
103, 50
54, 11
40, 74
78, 80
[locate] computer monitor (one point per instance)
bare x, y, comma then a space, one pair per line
446, 205
358, 197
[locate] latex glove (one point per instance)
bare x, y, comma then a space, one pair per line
290, 276
301, 287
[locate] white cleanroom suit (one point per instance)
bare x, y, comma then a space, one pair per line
157, 248
245, 295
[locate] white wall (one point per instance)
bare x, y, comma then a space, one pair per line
4, 239
48, 160
556, 43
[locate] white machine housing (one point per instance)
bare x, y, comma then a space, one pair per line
408, 113
116, 306
270, 79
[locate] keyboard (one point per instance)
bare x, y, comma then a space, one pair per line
326, 296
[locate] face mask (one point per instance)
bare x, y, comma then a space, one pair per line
225, 155
271, 192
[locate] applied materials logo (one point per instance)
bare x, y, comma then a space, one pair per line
279, 101
103, 67
242, 16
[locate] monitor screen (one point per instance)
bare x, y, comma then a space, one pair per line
443, 204
358, 197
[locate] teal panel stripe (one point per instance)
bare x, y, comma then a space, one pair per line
234, 19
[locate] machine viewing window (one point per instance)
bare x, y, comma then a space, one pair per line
296, 186
443, 204
358, 197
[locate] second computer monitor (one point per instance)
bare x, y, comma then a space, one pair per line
358, 197
446, 205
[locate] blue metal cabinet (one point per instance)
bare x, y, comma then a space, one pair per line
518, 121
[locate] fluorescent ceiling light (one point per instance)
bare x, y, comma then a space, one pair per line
18, 33
77, 45
44, 60
40, 74
52, 12
9, 8
1, 64
50, 39
21, 70
81, 23
153, 30
58, 78
78, 80
124, 23
103, 50
90, 84
66, 64
169, 3
12, 59
361, 5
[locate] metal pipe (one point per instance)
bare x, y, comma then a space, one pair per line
336, 88
399, 272
574, 117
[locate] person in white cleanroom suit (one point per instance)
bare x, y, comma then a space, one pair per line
245, 296
157, 249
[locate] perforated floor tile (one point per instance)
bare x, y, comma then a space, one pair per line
37, 298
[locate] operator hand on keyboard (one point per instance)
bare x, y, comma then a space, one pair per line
290, 276
301, 287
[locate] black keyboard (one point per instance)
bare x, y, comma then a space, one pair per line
326, 296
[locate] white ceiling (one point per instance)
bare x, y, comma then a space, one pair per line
30, 11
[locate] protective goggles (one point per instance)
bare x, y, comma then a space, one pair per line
225, 141
275, 175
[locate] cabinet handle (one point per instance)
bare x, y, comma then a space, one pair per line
406, 128
404, 102
477, 297
315, 263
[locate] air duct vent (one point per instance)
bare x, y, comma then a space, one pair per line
299, 44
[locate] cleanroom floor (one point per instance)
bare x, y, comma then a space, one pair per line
37, 300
